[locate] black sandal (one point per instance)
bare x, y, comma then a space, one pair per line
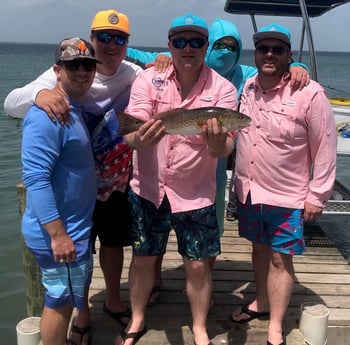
283, 343
82, 332
118, 316
134, 335
251, 315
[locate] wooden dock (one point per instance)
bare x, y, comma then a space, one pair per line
322, 276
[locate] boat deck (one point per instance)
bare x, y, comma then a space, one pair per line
322, 275
340, 201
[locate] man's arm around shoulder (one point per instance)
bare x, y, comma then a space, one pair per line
19, 100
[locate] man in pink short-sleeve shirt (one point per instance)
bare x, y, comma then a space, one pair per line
174, 177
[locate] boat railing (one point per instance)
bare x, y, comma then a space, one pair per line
340, 202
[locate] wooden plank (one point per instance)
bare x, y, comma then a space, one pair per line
176, 283
171, 324
322, 276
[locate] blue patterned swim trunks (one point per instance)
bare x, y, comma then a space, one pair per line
280, 228
197, 231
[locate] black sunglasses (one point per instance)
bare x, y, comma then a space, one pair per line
221, 45
277, 50
73, 65
196, 43
105, 37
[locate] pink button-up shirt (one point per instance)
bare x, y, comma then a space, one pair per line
292, 135
179, 165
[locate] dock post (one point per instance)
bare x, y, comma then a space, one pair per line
28, 331
34, 288
314, 323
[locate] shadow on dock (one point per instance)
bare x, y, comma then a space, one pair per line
322, 275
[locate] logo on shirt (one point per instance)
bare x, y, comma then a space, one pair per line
159, 83
290, 103
207, 98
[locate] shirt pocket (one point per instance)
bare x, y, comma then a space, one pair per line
280, 127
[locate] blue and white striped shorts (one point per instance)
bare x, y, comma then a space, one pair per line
65, 283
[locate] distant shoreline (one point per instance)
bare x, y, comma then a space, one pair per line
161, 48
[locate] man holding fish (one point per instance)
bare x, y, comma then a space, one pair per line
173, 184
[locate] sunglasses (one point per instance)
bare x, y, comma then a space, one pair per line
221, 45
73, 65
105, 37
276, 50
196, 43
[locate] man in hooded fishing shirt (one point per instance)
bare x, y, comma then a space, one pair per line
173, 183
291, 137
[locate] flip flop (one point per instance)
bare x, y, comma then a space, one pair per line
82, 332
284, 342
154, 293
251, 315
118, 316
134, 335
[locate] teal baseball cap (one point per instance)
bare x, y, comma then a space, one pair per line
274, 31
188, 22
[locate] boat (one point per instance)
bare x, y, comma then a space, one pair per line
339, 204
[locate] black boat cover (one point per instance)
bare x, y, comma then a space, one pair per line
290, 8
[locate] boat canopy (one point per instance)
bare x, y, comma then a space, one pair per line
290, 8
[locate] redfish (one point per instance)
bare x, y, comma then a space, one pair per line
187, 121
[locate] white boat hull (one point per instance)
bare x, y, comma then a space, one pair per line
342, 116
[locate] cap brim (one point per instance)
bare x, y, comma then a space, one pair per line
102, 28
194, 28
70, 58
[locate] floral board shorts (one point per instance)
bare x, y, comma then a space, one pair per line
197, 231
280, 228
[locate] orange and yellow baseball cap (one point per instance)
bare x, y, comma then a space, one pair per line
111, 19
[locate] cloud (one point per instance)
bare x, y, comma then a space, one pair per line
48, 21
23, 4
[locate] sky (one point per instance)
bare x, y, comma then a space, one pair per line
49, 21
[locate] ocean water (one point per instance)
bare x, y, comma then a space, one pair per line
21, 63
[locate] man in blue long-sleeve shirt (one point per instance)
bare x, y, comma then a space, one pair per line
59, 175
